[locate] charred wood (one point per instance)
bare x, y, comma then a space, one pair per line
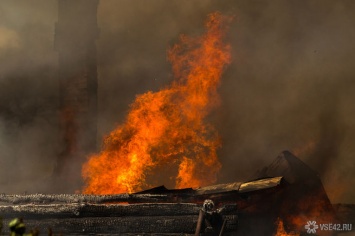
89, 218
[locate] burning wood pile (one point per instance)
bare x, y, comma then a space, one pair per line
289, 190
168, 130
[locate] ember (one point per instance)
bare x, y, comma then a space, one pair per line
168, 127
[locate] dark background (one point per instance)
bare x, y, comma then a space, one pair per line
291, 83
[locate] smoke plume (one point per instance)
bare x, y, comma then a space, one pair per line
290, 84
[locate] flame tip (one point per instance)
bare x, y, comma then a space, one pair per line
168, 126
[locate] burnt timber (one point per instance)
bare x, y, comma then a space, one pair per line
158, 210
273, 192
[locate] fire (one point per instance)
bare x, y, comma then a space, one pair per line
168, 128
312, 207
281, 230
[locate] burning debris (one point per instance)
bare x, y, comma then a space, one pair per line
307, 194
303, 199
266, 206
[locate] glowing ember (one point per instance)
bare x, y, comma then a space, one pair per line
168, 127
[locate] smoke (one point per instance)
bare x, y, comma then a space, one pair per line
28, 95
291, 81
291, 87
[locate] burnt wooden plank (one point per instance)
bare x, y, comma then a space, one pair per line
77, 198
104, 210
121, 225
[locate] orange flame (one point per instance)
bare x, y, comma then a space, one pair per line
168, 127
281, 230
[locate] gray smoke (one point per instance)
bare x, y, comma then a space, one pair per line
28, 95
291, 81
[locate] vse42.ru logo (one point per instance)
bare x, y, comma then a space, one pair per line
312, 227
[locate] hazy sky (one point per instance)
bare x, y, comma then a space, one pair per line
291, 83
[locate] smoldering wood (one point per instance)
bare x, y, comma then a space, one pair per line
283, 188
219, 193
78, 198
92, 210
98, 218
157, 210
145, 224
